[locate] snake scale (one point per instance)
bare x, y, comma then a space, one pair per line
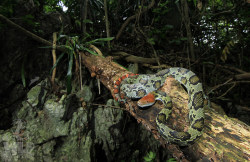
145, 86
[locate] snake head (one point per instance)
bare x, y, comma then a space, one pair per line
147, 100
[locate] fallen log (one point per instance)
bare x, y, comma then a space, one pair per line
224, 138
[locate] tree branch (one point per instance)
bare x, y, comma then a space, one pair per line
131, 18
28, 33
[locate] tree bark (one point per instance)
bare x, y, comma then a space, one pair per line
107, 21
224, 138
84, 13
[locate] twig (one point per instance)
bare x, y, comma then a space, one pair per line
54, 58
217, 86
131, 18
227, 91
28, 33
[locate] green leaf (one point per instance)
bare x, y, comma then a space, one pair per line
195, 2
100, 40
183, 38
57, 61
147, 159
78, 22
171, 160
151, 41
151, 155
92, 52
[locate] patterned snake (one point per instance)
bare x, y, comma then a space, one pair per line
145, 86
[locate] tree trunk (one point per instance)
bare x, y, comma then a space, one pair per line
186, 20
224, 138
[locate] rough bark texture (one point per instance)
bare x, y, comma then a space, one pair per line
224, 138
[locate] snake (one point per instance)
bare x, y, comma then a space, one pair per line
146, 88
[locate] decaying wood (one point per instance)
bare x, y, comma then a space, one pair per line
224, 138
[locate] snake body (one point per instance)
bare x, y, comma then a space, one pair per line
145, 86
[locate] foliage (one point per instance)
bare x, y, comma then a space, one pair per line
171, 160
150, 157
50, 6
219, 30
73, 44
6, 7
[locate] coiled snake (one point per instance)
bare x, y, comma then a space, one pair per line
145, 86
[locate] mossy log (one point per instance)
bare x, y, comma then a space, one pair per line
224, 138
